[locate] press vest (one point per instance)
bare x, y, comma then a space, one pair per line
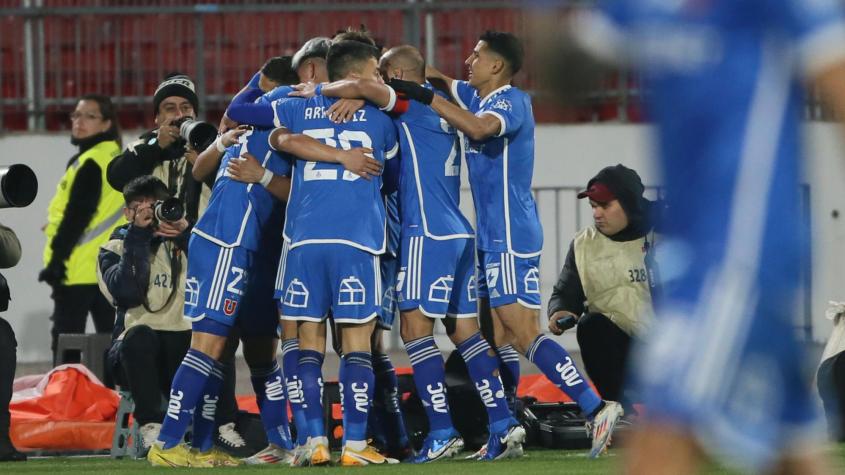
614, 277
165, 317
82, 263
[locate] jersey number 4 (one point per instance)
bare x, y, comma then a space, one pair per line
345, 138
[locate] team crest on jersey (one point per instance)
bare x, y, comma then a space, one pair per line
229, 307
192, 291
502, 104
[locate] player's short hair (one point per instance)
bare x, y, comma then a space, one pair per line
346, 56
506, 45
313, 48
406, 57
279, 70
361, 35
145, 186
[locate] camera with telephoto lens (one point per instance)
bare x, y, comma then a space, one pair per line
18, 186
199, 135
169, 210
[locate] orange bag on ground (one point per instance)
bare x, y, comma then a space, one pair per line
66, 409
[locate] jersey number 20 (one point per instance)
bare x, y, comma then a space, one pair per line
327, 136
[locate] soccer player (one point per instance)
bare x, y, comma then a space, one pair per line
437, 274
722, 370
334, 233
497, 121
222, 253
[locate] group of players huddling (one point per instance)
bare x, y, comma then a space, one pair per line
350, 182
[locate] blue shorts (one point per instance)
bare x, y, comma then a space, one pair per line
438, 277
389, 271
215, 280
317, 278
505, 278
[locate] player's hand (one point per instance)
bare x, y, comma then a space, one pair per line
360, 161
554, 318
412, 90
190, 155
171, 229
245, 169
305, 89
143, 216
344, 110
225, 124
231, 137
166, 135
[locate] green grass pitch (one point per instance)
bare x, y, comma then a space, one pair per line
536, 461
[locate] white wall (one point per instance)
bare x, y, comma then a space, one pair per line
565, 156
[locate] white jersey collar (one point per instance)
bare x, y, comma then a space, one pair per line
488, 96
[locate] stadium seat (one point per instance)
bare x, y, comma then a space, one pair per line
93, 347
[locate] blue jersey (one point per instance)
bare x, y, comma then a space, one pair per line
391, 207
280, 92
430, 175
238, 213
500, 172
327, 203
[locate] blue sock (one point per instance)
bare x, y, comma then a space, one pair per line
483, 367
358, 382
204, 416
185, 391
270, 395
558, 366
311, 374
430, 380
387, 401
293, 387
509, 371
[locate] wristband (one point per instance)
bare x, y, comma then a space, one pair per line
218, 144
265, 180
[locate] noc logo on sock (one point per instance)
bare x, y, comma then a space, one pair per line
174, 405
568, 373
209, 407
437, 395
485, 392
295, 390
273, 390
359, 393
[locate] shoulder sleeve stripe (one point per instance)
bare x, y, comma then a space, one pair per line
392, 152
457, 96
502, 127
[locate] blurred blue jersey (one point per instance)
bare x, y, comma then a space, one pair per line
430, 176
727, 102
500, 172
327, 203
238, 213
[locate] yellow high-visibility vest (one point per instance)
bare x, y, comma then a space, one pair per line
82, 263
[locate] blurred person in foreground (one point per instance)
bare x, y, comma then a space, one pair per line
10, 255
81, 217
141, 270
722, 372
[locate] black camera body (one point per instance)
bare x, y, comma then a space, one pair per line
169, 210
199, 135
18, 186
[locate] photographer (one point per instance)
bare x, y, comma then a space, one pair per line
162, 152
80, 217
141, 269
10, 254
606, 268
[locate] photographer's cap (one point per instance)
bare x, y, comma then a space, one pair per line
179, 85
598, 192
314, 48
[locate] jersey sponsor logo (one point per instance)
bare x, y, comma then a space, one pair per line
491, 273
296, 295
359, 394
174, 405
209, 407
437, 396
441, 289
532, 281
351, 292
568, 373
229, 307
274, 390
192, 291
486, 393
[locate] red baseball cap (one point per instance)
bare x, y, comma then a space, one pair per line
598, 192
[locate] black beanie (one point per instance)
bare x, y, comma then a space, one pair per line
179, 85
